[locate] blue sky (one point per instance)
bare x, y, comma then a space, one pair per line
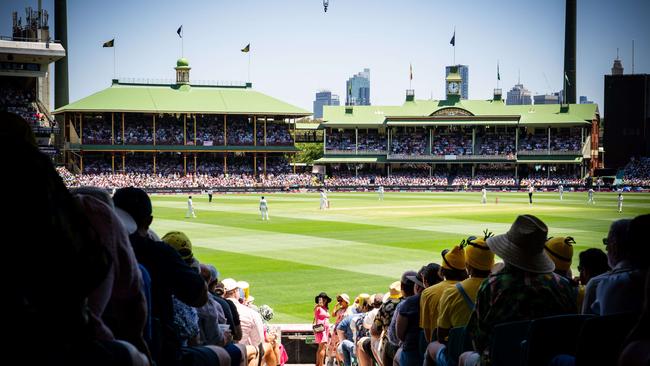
297, 49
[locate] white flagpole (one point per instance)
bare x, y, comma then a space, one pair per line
249, 65
114, 63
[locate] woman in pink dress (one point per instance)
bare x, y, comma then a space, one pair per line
322, 316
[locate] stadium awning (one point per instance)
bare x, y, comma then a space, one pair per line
350, 159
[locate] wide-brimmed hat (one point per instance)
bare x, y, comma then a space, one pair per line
344, 297
414, 278
324, 296
523, 245
560, 250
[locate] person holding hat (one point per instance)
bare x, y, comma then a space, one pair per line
453, 270
525, 289
457, 302
322, 317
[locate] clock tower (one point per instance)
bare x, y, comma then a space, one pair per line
454, 83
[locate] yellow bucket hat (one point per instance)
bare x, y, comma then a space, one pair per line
181, 243
454, 259
478, 255
560, 250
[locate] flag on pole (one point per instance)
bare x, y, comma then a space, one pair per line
410, 72
498, 74
110, 43
453, 39
247, 48
566, 78
179, 31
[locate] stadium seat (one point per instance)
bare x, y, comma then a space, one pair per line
505, 343
459, 342
551, 336
602, 337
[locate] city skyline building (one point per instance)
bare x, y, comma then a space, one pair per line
323, 98
547, 99
518, 95
357, 88
463, 71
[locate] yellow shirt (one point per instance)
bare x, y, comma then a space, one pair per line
453, 310
429, 305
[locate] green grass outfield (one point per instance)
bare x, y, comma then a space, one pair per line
361, 244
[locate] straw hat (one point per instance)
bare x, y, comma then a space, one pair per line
523, 245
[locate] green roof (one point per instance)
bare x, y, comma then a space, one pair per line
144, 98
489, 110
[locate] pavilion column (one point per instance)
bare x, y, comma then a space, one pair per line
356, 140
254, 130
123, 162
81, 162
548, 148
516, 140
184, 164
324, 140
184, 129
154, 135
81, 130
265, 154
255, 164
113, 162
473, 143
473, 170
154, 163
388, 142
195, 164
430, 141
265, 118
123, 142
225, 163
113, 131
194, 119
225, 130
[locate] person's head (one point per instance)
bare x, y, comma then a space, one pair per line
453, 264
96, 192
522, 246
591, 263
394, 290
636, 245
190, 197
322, 300
362, 302
343, 300
181, 243
230, 288
479, 257
408, 285
136, 203
560, 251
431, 275
615, 241
377, 300
262, 197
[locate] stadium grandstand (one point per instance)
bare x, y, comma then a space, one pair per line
462, 142
178, 135
25, 57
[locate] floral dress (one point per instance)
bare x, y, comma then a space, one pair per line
322, 317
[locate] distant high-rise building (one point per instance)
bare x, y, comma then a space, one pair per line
324, 97
357, 89
627, 121
617, 68
547, 98
518, 95
585, 100
463, 70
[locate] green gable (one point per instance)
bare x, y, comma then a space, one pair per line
138, 98
491, 111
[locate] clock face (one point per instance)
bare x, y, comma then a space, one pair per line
453, 87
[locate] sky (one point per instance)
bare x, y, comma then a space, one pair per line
298, 49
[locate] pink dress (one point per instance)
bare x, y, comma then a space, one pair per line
322, 317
